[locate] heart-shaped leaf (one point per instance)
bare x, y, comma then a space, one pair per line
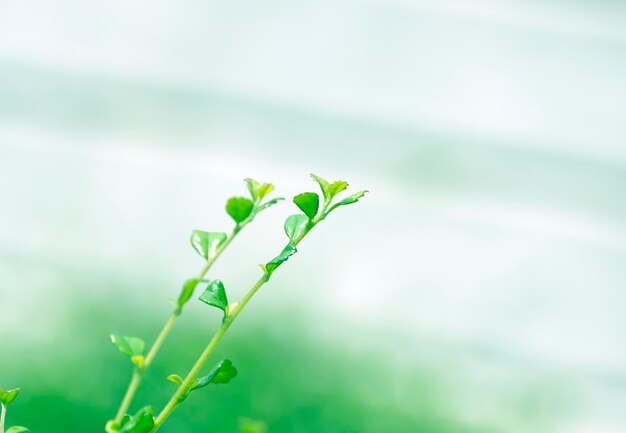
215, 295
207, 243
324, 185
239, 208
287, 252
132, 347
308, 202
222, 373
141, 422
348, 200
296, 225
17, 429
7, 397
187, 291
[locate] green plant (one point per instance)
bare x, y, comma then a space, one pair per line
210, 246
6, 398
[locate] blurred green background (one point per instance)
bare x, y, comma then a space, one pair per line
478, 288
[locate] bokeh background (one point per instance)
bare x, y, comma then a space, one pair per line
478, 288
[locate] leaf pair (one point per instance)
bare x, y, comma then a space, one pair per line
7, 397
258, 190
132, 347
223, 372
240, 208
330, 190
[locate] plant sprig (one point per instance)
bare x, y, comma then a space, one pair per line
296, 228
6, 398
209, 245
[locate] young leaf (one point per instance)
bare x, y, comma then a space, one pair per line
239, 208
7, 397
222, 373
187, 292
308, 202
268, 203
132, 347
336, 187
175, 378
215, 295
287, 252
258, 190
17, 429
348, 200
324, 186
207, 243
253, 188
142, 422
295, 226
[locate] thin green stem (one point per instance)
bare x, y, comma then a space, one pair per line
138, 372
3, 414
185, 386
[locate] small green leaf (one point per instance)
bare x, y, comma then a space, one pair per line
268, 203
215, 295
324, 186
175, 378
308, 202
253, 188
287, 252
265, 189
187, 291
207, 243
141, 422
295, 226
17, 429
129, 346
336, 187
222, 373
348, 200
7, 397
239, 208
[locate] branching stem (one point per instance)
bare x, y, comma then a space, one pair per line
138, 372
185, 386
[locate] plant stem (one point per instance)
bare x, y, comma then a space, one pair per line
182, 389
185, 386
138, 372
3, 413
